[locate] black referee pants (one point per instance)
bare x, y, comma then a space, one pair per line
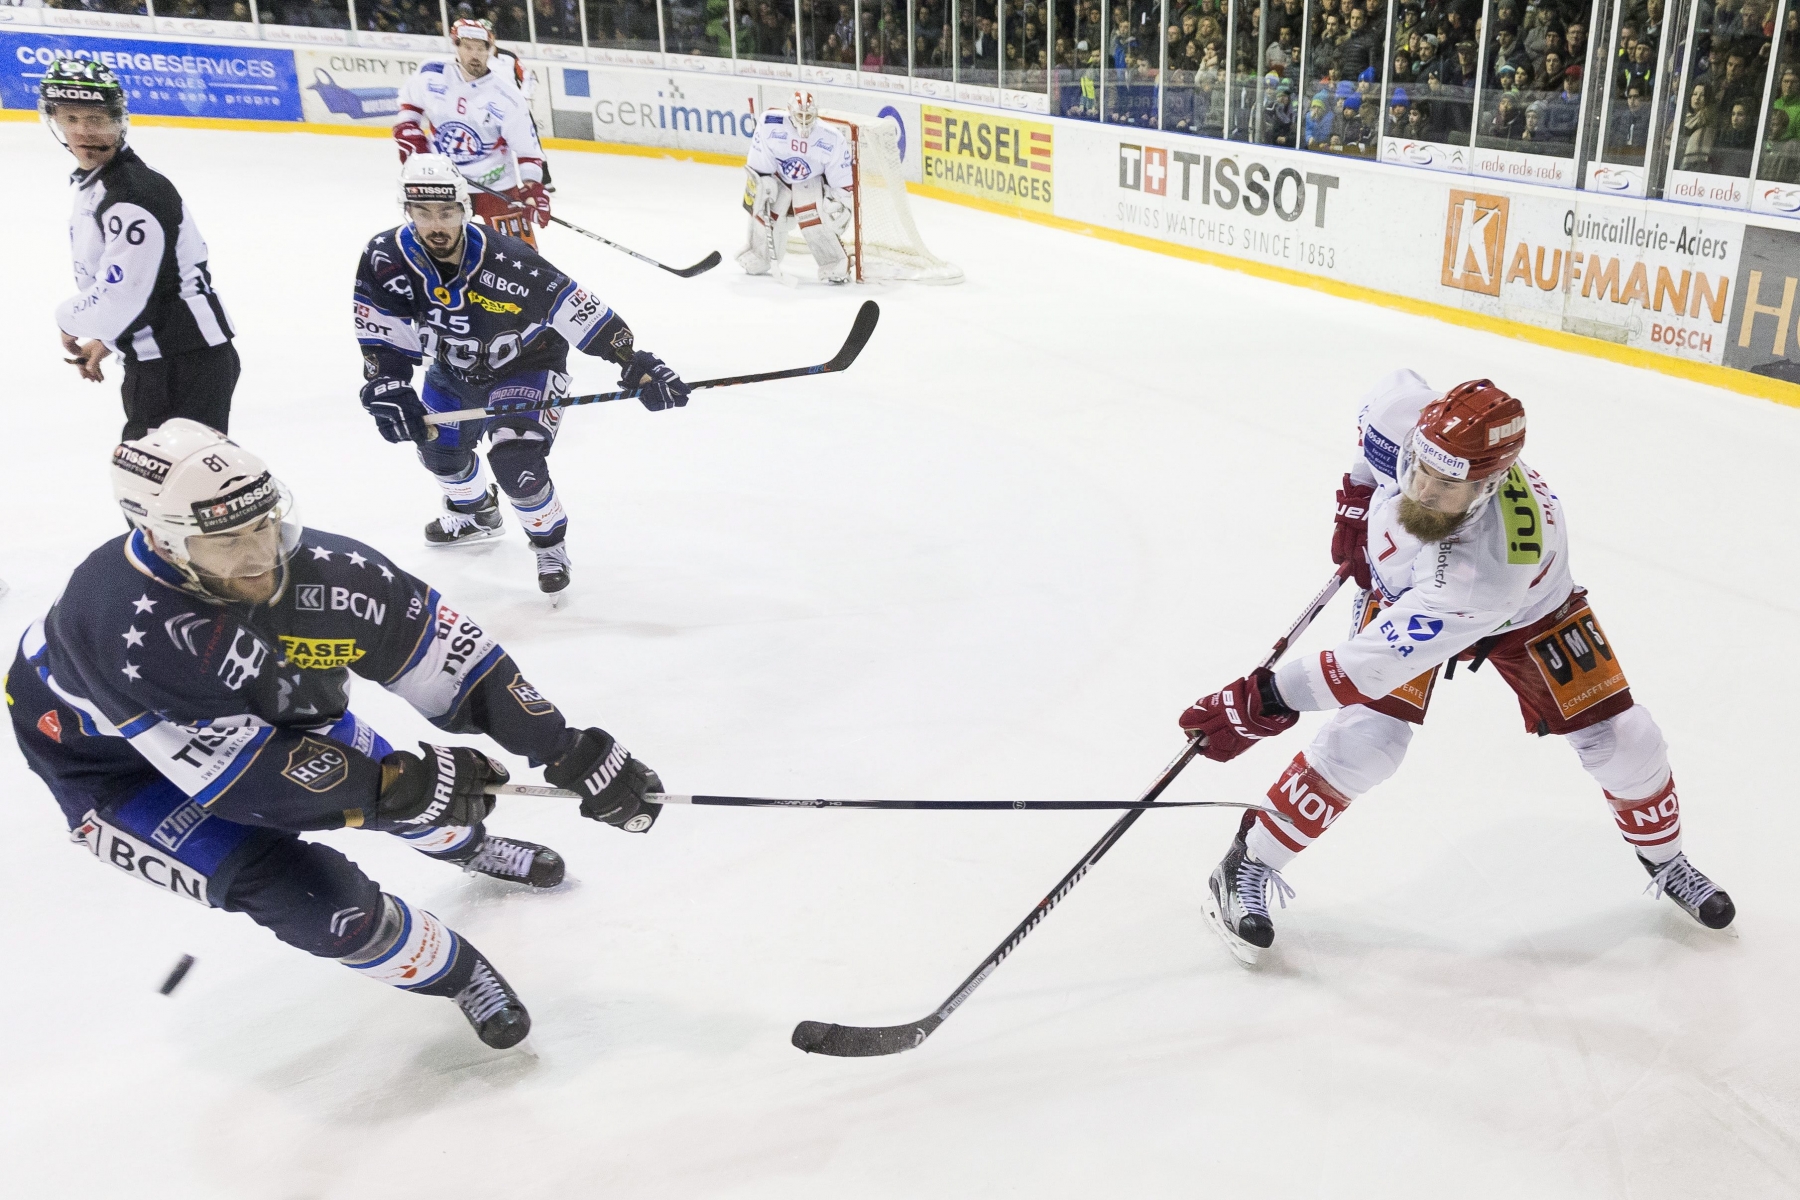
196, 385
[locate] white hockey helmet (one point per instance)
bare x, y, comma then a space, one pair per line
434, 179
470, 27
210, 508
803, 113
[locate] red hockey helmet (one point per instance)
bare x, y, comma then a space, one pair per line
1462, 446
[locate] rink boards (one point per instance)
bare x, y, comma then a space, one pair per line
1699, 292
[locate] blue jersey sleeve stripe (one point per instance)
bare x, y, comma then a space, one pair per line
595, 331
137, 725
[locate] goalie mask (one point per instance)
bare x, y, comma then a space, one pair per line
803, 113
209, 508
1455, 458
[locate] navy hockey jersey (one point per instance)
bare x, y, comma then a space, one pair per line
233, 702
503, 311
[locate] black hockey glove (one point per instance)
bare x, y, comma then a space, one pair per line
443, 788
396, 409
662, 387
611, 783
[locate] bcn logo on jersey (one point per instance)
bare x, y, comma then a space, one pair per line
506, 286
319, 654
459, 143
138, 859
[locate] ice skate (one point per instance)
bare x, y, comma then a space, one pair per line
459, 526
515, 861
492, 1007
1698, 896
553, 572
1237, 903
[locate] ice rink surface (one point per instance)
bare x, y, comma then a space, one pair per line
1043, 512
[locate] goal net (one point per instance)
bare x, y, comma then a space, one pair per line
877, 227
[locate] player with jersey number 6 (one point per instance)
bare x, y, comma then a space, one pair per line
470, 109
186, 701
493, 321
796, 164
1463, 554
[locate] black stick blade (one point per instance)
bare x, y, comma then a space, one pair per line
860, 333
857, 1041
700, 268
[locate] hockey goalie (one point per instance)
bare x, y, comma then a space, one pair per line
798, 166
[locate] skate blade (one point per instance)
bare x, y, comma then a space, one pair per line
1246, 954
471, 539
559, 600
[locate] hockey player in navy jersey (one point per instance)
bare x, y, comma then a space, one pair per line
493, 321
186, 701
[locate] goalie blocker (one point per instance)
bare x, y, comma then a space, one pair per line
833, 186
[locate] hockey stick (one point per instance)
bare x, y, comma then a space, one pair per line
861, 1041
860, 332
550, 793
704, 265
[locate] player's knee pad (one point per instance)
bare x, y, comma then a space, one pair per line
1359, 749
309, 896
520, 461
410, 949
1626, 754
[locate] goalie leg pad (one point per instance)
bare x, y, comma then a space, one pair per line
826, 250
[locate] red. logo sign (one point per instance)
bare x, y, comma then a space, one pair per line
1156, 171
50, 725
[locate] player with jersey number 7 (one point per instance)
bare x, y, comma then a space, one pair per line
1463, 554
476, 116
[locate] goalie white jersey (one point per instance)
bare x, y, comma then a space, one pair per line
779, 151
482, 125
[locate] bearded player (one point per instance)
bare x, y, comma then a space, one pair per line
186, 701
795, 163
1462, 552
471, 109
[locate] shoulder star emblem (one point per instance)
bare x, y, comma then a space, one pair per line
130, 671
320, 553
385, 573
133, 636
144, 603
534, 274
357, 559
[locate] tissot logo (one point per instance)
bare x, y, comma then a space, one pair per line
1474, 242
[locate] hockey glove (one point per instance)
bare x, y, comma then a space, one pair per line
1239, 714
661, 386
411, 139
532, 197
1350, 535
396, 409
611, 783
445, 787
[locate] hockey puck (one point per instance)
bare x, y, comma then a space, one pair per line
177, 975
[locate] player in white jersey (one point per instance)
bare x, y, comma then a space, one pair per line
795, 163
470, 109
1462, 551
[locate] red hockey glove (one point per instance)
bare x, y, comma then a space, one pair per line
1350, 536
412, 139
532, 197
1240, 713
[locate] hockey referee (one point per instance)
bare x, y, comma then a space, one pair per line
140, 263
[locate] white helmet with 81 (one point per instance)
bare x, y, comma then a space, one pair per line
209, 508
